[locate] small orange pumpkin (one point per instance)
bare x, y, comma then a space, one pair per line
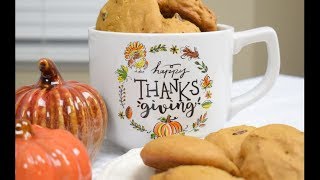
42, 153
58, 104
167, 128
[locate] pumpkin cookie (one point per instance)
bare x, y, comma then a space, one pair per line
172, 151
192, 10
273, 152
140, 16
130, 16
194, 173
230, 139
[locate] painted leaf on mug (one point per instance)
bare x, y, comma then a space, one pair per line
206, 104
122, 73
137, 126
158, 48
129, 112
122, 95
188, 53
203, 118
201, 66
199, 123
206, 82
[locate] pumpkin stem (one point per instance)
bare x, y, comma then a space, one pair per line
168, 119
50, 75
23, 129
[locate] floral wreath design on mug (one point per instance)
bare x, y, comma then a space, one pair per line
135, 56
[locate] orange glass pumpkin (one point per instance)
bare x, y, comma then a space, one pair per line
42, 153
58, 104
166, 128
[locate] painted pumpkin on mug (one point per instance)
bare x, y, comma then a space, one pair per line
167, 127
58, 104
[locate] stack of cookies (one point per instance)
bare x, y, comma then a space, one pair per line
272, 152
156, 16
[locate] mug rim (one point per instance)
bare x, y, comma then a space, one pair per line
222, 28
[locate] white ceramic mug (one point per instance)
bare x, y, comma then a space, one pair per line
161, 84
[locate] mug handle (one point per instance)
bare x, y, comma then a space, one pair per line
243, 38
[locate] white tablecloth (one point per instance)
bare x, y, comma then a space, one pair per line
284, 103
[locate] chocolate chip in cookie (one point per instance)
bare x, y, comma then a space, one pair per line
230, 139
